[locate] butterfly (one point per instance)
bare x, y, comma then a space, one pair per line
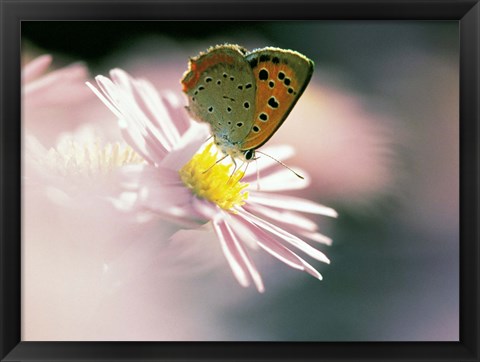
244, 96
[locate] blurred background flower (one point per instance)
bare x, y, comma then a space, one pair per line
377, 129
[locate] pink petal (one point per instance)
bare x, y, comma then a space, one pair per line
290, 238
194, 250
246, 235
104, 99
188, 145
236, 264
278, 179
276, 249
320, 238
63, 86
247, 261
291, 219
177, 111
154, 118
175, 201
156, 111
136, 127
155, 176
35, 68
205, 209
291, 203
264, 163
135, 140
154, 107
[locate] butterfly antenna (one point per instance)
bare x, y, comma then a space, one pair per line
258, 174
281, 163
218, 161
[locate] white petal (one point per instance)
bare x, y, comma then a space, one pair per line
291, 203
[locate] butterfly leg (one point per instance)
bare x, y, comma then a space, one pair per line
218, 161
208, 139
234, 168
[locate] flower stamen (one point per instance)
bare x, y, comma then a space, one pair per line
217, 185
90, 160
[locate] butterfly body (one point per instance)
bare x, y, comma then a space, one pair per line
244, 96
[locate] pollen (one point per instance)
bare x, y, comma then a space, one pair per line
214, 182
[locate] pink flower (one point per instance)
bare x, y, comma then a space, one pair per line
57, 101
173, 183
85, 261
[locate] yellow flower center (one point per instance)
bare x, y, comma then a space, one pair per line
214, 182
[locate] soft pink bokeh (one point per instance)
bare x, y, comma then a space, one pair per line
58, 101
89, 270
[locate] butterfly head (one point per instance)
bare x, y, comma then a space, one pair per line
233, 149
249, 155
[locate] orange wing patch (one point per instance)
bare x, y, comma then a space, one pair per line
226, 54
278, 89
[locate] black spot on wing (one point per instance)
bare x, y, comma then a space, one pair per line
264, 58
263, 74
272, 102
263, 117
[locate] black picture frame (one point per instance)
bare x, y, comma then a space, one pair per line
467, 12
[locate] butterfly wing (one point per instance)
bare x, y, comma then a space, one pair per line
221, 91
281, 76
